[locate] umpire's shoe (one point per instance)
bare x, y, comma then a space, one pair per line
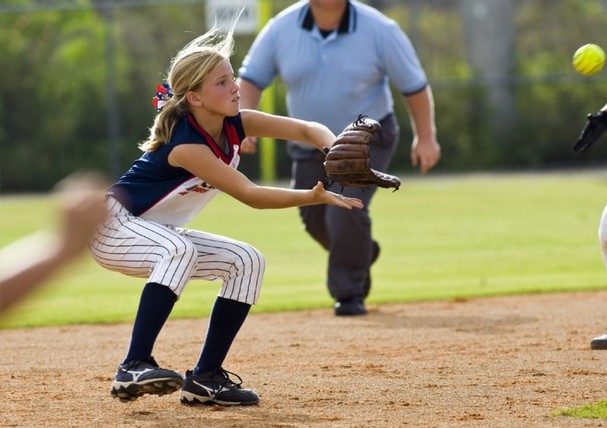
143, 376
599, 342
351, 307
216, 387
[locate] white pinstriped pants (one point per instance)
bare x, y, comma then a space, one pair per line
171, 256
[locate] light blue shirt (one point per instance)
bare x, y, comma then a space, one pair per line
333, 79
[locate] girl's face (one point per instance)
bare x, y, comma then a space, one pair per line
219, 92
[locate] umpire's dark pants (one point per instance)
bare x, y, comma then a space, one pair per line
346, 234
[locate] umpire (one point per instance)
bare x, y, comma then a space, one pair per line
337, 59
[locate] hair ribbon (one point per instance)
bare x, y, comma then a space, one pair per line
163, 94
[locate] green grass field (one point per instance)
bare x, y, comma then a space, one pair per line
596, 410
442, 237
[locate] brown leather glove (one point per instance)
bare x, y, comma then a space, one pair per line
348, 161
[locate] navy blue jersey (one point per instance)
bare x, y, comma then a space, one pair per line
155, 190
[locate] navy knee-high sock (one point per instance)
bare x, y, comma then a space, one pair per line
155, 306
226, 319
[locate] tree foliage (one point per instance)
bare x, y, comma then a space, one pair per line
56, 102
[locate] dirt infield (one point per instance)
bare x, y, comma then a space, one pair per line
493, 362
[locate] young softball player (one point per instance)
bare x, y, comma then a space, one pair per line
191, 154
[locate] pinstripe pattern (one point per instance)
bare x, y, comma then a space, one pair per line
171, 256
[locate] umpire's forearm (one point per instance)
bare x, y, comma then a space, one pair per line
421, 112
250, 95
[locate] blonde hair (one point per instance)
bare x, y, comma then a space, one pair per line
187, 72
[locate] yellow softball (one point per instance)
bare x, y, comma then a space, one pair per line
589, 59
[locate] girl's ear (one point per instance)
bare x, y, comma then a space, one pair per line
193, 98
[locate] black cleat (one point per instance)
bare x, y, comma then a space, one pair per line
216, 387
599, 342
143, 376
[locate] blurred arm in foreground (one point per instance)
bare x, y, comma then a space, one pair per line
27, 263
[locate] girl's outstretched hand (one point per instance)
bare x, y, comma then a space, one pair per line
336, 199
